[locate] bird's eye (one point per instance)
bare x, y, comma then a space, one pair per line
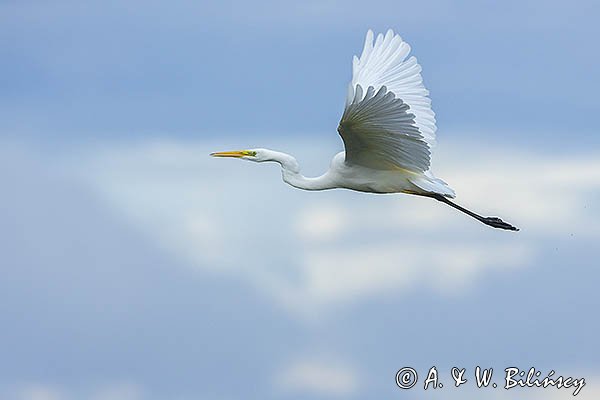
249, 153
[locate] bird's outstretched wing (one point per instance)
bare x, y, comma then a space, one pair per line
387, 122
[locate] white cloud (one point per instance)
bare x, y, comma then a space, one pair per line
37, 391
317, 376
40, 392
348, 274
321, 222
311, 250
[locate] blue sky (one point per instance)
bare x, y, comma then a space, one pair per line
136, 267
213, 68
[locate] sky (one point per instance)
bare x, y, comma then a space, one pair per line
135, 267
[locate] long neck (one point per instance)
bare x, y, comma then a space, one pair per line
290, 170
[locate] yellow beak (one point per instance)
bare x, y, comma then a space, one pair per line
235, 154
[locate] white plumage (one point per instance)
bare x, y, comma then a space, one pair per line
384, 64
388, 129
392, 125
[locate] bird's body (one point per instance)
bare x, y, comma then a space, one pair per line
388, 129
365, 179
354, 177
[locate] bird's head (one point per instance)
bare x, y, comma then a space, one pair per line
256, 155
288, 162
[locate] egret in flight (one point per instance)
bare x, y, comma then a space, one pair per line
388, 129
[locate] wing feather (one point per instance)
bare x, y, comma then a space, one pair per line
379, 132
391, 124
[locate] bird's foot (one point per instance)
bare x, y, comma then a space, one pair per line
498, 223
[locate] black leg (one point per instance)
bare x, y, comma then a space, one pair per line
494, 222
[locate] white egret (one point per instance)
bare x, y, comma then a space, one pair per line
388, 129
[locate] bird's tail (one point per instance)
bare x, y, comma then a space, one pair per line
431, 184
494, 222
